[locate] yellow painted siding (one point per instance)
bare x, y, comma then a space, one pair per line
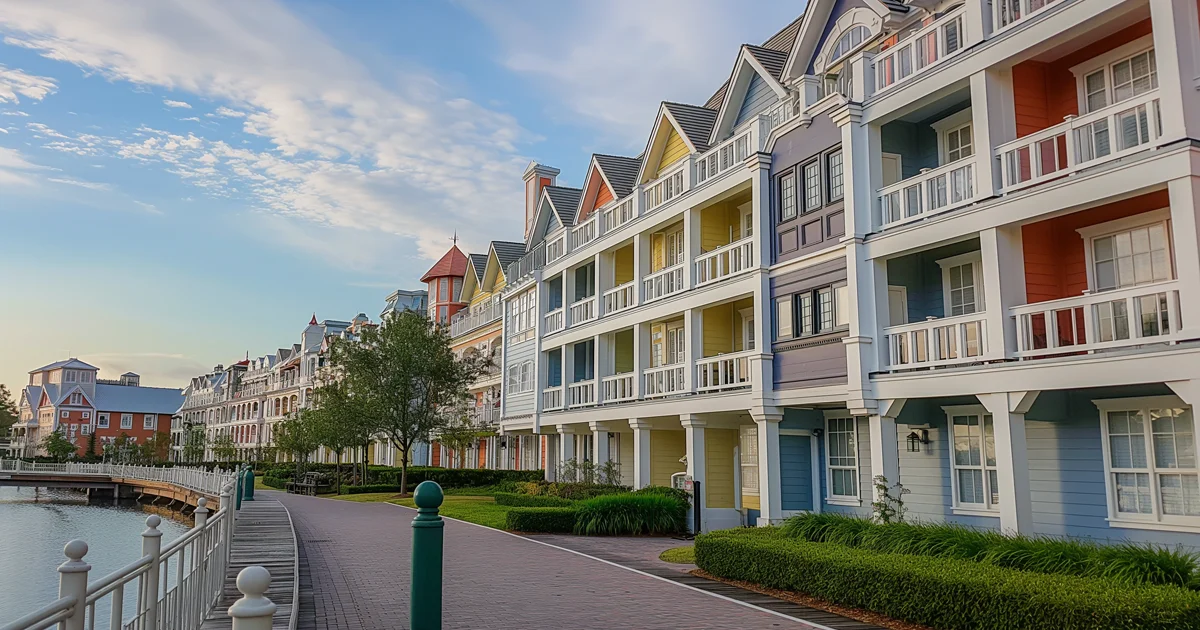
717, 223
666, 448
500, 283
657, 252
623, 265
674, 150
750, 502
626, 459
718, 330
718, 453
738, 307
623, 352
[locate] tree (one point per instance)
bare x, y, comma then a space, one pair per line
460, 433
223, 448
8, 410
296, 435
195, 443
339, 421
405, 379
90, 452
156, 447
58, 446
122, 450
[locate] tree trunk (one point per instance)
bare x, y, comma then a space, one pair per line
337, 470
403, 471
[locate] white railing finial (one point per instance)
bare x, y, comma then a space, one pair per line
254, 610
72, 582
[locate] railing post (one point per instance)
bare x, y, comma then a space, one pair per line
72, 582
151, 546
254, 611
425, 604
200, 514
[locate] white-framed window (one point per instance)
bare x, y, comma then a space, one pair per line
520, 377
787, 197
811, 174
126, 421
958, 143
76, 399
962, 284
85, 429
973, 477
69, 376
748, 458
87, 415
841, 459
64, 414
149, 421
102, 420
522, 313
1151, 473
848, 41
1129, 252
955, 137
784, 317
1124, 73
813, 312
834, 176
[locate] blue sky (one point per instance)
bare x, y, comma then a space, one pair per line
183, 182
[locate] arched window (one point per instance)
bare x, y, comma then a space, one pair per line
848, 41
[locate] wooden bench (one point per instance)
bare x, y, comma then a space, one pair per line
311, 484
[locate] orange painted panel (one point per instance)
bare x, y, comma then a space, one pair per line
435, 458
596, 195
482, 454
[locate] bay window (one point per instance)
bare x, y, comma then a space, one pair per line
813, 312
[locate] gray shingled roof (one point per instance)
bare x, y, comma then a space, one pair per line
508, 252
565, 202
781, 41
138, 399
772, 60
478, 263
72, 363
620, 171
695, 122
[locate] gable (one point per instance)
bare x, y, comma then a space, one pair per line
674, 149
596, 194
759, 96
45, 401
545, 221
470, 287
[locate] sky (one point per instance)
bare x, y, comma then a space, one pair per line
183, 183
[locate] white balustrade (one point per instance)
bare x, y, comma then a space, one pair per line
663, 283
583, 311
1079, 142
555, 321
552, 398
1096, 321
619, 214
581, 394
725, 261
937, 342
556, 247
724, 156
665, 380
724, 371
920, 51
618, 388
466, 321
620, 298
585, 232
1010, 12
664, 189
934, 190
487, 414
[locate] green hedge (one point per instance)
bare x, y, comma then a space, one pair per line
275, 482
573, 490
375, 487
390, 475
547, 520
529, 500
667, 491
946, 594
631, 515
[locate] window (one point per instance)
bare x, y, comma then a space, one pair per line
87, 415
962, 284
76, 399
64, 414
1131, 75
102, 420
85, 429
973, 458
520, 377
958, 143
833, 171
841, 454
1150, 460
444, 290
522, 311
69, 376
812, 185
149, 421
1131, 257
126, 421
848, 41
787, 197
748, 458
815, 312
783, 317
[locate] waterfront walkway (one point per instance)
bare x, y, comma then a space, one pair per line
263, 537
354, 574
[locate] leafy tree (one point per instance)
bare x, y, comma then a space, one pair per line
195, 443
156, 447
8, 409
58, 446
122, 450
339, 421
405, 379
223, 448
460, 433
296, 435
90, 452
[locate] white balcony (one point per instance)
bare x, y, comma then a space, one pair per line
1096, 321
665, 380
724, 371
917, 53
618, 388
583, 311
724, 156
581, 394
487, 414
618, 215
661, 284
1010, 12
1079, 142
465, 322
556, 248
937, 342
555, 321
585, 232
552, 398
665, 188
935, 190
620, 298
725, 261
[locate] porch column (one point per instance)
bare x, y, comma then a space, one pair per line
1008, 411
693, 426
885, 443
1177, 55
641, 453
692, 332
602, 276
566, 443
760, 165
599, 370
551, 457
770, 496
691, 246
1184, 195
1003, 287
641, 263
568, 285
599, 443
993, 123
641, 356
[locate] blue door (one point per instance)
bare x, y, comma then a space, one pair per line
795, 472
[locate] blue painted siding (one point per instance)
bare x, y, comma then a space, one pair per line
812, 419
920, 274
915, 142
515, 354
795, 472
759, 96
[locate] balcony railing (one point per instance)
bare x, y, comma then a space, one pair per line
725, 261
665, 380
664, 189
552, 398
661, 284
618, 215
556, 247
920, 51
725, 371
465, 322
937, 342
1010, 12
581, 394
1096, 321
723, 157
533, 260
585, 232
583, 311
620, 297
618, 388
555, 321
487, 414
1080, 142
943, 188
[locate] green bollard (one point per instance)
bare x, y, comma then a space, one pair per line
248, 493
425, 606
237, 493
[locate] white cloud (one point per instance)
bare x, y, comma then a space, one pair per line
14, 168
70, 181
229, 113
170, 103
148, 207
14, 113
15, 84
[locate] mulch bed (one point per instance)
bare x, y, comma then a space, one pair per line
864, 616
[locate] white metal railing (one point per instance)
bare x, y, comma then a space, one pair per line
1081, 141
782, 112
465, 322
662, 283
552, 398
487, 414
664, 189
937, 341
1010, 12
618, 388
583, 311
171, 587
585, 232
581, 394
196, 479
665, 380
725, 261
620, 297
724, 371
617, 215
934, 190
555, 321
724, 156
1096, 321
556, 247
533, 260
920, 51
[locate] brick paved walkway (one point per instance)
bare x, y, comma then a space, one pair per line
357, 557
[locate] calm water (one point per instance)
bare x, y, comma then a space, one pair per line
34, 526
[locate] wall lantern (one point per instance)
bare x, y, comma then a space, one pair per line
817, 433
916, 438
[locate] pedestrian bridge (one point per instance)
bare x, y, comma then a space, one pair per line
119, 481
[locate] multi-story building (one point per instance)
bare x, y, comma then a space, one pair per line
68, 397
406, 300
445, 283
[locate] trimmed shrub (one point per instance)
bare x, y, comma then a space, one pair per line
375, 487
457, 477
275, 482
569, 490
530, 500
942, 593
532, 488
666, 491
1125, 563
546, 520
630, 514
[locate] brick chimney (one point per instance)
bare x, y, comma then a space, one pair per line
537, 177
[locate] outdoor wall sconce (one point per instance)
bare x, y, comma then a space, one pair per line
916, 439
817, 433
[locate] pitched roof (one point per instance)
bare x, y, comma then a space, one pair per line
124, 398
695, 122
772, 60
565, 202
478, 264
781, 41
33, 394
508, 252
620, 171
71, 363
453, 263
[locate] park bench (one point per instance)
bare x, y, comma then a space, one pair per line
311, 484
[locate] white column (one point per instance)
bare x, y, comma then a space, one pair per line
73, 581
641, 356
691, 246
568, 284
1012, 459
600, 365
566, 443
693, 426
1177, 55
770, 496
600, 452
1184, 195
760, 165
978, 22
993, 122
693, 327
602, 275
1003, 286
885, 443
641, 263
641, 453
551, 457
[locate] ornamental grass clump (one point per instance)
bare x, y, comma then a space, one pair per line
630, 515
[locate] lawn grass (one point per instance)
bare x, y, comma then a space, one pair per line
679, 555
479, 510
366, 497
259, 485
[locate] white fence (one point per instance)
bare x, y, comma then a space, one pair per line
196, 479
